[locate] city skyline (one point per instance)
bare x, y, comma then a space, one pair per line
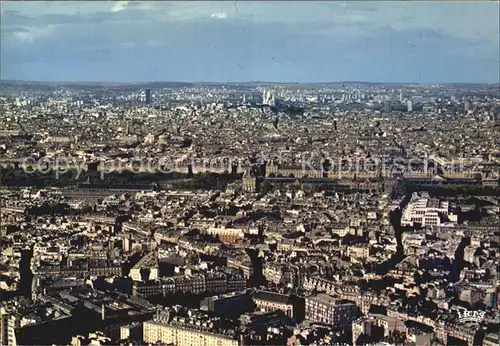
392, 42
221, 204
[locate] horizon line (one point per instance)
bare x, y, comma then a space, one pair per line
233, 82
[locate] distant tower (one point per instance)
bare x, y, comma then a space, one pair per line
266, 97
467, 105
272, 100
409, 105
387, 107
244, 98
148, 96
249, 182
401, 96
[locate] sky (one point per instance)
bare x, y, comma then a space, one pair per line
235, 41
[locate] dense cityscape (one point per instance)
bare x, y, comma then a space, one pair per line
237, 173
251, 213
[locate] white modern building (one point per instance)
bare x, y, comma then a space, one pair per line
425, 211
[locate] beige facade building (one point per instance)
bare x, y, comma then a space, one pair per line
164, 333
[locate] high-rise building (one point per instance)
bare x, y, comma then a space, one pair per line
409, 105
264, 97
467, 105
268, 98
272, 101
401, 96
387, 107
147, 96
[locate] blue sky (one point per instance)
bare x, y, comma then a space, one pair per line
125, 41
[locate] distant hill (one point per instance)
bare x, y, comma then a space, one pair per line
160, 85
135, 85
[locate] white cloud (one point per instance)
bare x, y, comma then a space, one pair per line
33, 34
128, 44
220, 15
119, 6
348, 20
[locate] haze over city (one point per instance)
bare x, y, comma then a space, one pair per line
250, 173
